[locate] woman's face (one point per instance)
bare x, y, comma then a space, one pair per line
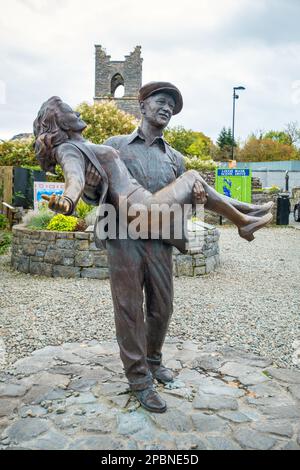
70, 120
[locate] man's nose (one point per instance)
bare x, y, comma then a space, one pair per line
167, 107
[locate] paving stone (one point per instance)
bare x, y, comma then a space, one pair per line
212, 386
173, 364
281, 412
12, 390
86, 383
211, 402
285, 375
8, 406
108, 389
207, 362
250, 439
52, 440
243, 357
32, 411
295, 391
54, 394
26, 429
189, 376
97, 443
234, 416
205, 423
173, 421
82, 385
172, 401
190, 442
279, 428
120, 400
222, 443
131, 423
85, 397
32, 365
247, 375
103, 424
266, 389
45, 379
292, 445
184, 392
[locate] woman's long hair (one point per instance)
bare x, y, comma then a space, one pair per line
48, 133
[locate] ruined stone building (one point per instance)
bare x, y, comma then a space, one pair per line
111, 74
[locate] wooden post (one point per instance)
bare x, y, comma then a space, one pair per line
6, 184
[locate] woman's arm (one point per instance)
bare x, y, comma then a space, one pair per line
72, 163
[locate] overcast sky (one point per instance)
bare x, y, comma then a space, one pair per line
205, 47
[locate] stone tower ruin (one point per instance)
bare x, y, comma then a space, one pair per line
110, 74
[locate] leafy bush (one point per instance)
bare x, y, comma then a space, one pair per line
81, 225
272, 189
105, 120
38, 221
3, 222
62, 223
5, 241
195, 163
188, 142
83, 209
18, 153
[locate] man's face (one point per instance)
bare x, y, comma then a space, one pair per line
158, 109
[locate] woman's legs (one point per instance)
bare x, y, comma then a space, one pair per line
179, 192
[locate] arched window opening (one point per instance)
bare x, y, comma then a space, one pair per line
117, 86
119, 92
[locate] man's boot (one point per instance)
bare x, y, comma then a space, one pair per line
150, 400
159, 372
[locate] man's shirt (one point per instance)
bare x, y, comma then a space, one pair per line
154, 166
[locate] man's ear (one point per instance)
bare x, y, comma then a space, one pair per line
142, 107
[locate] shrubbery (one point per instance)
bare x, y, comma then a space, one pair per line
105, 120
5, 242
18, 153
39, 220
62, 223
3, 222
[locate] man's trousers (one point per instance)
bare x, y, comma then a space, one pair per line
138, 266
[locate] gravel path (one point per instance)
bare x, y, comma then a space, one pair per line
252, 301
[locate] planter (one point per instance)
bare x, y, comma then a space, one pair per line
74, 254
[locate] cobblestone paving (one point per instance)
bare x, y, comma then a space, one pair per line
75, 396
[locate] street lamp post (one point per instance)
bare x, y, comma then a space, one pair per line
235, 97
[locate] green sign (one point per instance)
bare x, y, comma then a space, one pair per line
234, 183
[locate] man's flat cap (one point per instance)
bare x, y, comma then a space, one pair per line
155, 87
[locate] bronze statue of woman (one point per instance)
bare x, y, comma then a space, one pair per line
94, 172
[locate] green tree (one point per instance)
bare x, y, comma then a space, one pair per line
278, 136
18, 153
105, 120
225, 138
267, 149
224, 145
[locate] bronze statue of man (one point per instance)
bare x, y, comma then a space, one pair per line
145, 169
139, 267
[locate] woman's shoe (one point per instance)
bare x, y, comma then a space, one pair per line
248, 230
263, 210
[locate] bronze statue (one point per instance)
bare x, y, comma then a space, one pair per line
142, 168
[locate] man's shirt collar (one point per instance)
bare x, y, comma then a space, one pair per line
138, 134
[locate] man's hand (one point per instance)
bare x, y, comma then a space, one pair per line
199, 194
58, 204
93, 178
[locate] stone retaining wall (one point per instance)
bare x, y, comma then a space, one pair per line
74, 254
